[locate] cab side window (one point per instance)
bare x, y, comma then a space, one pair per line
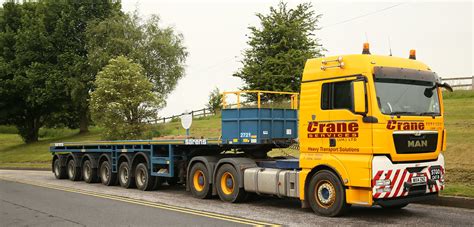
337, 95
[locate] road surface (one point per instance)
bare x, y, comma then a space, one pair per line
37, 198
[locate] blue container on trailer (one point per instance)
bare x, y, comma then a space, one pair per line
258, 125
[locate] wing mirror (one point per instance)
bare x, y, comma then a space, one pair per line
359, 97
429, 91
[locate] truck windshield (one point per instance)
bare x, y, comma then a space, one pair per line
407, 97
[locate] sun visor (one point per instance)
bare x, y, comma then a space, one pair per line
381, 72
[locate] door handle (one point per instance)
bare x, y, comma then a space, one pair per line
332, 142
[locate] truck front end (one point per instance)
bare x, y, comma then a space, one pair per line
408, 164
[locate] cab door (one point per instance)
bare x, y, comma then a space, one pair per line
349, 128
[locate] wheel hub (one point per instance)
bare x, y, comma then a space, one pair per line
325, 194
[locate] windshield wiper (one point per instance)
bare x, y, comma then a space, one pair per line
433, 114
398, 113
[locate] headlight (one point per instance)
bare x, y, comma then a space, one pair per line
385, 182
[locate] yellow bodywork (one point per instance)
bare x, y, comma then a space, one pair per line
352, 156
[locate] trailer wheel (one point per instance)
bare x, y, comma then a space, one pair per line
227, 184
59, 171
199, 181
126, 178
73, 172
144, 181
89, 174
107, 177
326, 194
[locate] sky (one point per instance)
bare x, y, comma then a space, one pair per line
215, 36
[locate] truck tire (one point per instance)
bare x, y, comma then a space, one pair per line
143, 180
125, 176
88, 173
199, 181
107, 177
73, 172
59, 171
326, 194
227, 184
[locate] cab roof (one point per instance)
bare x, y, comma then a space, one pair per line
330, 67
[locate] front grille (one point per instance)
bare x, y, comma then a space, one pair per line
411, 143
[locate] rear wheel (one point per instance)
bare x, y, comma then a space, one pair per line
326, 194
126, 178
199, 181
144, 181
106, 176
227, 184
73, 172
89, 174
59, 171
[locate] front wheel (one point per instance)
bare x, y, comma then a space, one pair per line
326, 194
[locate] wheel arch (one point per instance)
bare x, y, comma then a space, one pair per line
240, 164
318, 169
93, 158
139, 158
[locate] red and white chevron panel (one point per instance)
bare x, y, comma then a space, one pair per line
383, 169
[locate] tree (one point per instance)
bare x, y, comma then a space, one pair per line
279, 49
70, 37
215, 100
159, 50
31, 84
123, 99
43, 61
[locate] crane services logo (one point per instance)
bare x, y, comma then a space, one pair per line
332, 130
405, 125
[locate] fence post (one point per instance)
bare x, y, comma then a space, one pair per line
192, 114
204, 110
472, 88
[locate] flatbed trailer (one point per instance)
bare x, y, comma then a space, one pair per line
369, 130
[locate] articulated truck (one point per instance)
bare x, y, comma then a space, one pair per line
369, 130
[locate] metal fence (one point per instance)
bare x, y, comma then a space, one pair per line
460, 83
204, 112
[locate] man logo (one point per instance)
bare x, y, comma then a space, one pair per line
417, 143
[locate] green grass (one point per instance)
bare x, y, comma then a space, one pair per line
459, 111
14, 153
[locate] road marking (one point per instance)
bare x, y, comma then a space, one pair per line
145, 203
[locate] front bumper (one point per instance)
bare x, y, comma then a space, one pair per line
398, 178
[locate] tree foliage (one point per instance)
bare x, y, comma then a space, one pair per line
123, 99
159, 50
279, 48
42, 57
215, 100
30, 79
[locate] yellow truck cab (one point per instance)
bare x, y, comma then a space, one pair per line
371, 132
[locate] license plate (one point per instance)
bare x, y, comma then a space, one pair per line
418, 180
435, 172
